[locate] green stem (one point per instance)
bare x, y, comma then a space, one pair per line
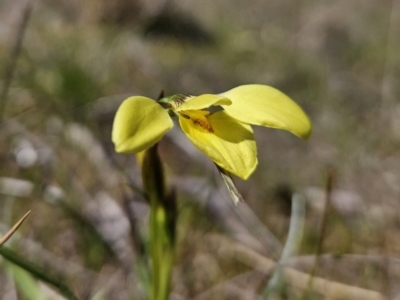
162, 224
37, 271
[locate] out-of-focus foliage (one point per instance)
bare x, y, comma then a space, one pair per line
80, 59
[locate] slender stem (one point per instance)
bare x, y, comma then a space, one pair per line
162, 224
297, 219
37, 271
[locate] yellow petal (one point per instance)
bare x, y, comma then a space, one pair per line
263, 105
199, 102
230, 144
139, 123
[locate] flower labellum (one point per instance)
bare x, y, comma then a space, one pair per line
225, 135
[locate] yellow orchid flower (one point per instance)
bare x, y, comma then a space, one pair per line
225, 135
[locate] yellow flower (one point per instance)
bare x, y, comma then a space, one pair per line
225, 135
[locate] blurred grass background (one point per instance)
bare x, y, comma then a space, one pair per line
339, 60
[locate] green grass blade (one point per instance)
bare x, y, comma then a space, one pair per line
37, 271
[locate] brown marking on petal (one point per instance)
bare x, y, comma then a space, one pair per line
203, 123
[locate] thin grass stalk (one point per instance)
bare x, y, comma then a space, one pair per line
13, 229
322, 230
162, 224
